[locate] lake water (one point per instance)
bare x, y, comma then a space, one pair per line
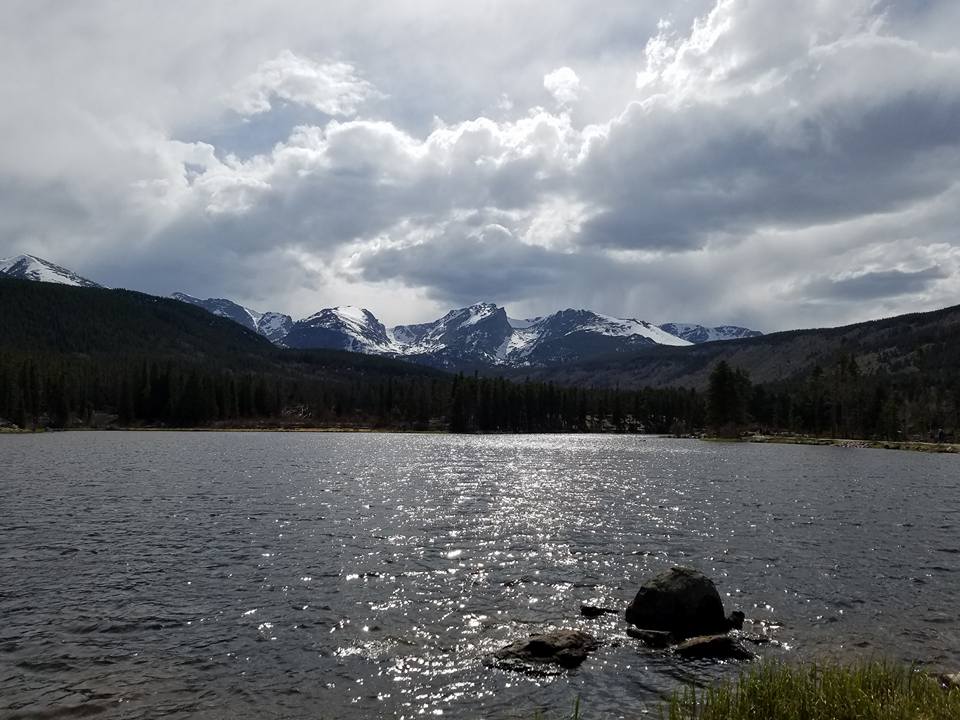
280, 575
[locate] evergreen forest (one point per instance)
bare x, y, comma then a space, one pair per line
72, 357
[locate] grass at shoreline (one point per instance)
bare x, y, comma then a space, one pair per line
779, 691
868, 690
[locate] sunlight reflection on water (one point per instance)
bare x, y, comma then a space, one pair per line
370, 575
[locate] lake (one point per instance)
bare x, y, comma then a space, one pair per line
296, 575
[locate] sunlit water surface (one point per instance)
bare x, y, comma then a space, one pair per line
262, 575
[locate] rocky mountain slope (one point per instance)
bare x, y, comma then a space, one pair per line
699, 334
273, 326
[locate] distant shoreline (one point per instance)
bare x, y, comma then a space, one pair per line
238, 429
914, 446
909, 445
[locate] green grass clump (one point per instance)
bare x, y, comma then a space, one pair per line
776, 691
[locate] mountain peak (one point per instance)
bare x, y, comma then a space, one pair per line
345, 327
31, 267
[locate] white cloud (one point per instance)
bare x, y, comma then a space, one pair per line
719, 166
563, 84
334, 88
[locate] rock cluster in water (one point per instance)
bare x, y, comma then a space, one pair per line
678, 609
566, 648
682, 608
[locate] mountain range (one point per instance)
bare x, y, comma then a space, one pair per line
475, 337
88, 356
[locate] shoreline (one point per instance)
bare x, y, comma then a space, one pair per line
909, 445
849, 443
265, 428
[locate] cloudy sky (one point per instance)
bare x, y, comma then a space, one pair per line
774, 164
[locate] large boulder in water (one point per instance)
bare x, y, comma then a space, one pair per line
566, 648
681, 601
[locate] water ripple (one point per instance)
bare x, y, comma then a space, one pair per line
285, 575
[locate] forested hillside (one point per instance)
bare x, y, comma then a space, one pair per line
51, 318
74, 357
920, 342
93, 357
892, 378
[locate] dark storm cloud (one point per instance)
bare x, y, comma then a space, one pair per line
462, 267
670, 181
873, 285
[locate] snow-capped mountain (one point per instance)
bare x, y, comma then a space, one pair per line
570, 335
30, 267
273, 326
343, 328
476, 335
479, 336
699, 334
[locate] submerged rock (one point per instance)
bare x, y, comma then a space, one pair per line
755, 638
681, 601
713, 647
652, 638
592, 611
566, 648
735, 620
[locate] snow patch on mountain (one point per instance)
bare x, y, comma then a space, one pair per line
623, 327
30, 267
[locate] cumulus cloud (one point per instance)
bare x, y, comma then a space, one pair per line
563, 84
761, 163
830, 117
333, 88
328, 186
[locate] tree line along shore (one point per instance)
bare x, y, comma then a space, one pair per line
80, 391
